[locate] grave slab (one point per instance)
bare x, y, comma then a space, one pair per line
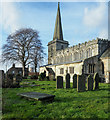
38, 96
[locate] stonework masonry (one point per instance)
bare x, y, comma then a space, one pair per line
85, 58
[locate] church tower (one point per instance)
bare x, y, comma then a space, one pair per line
57, 43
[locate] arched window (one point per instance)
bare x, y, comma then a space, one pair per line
62, 47
102, 68
76, 56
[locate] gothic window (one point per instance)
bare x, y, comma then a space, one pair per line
76, 56
82, 54
58, 59
62, 47
102, 68
91, 68
61, 70
71, 70
89, 52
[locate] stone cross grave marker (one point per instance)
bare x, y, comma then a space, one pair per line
67, 80
80, 83
75, 81
59, 82
90, 83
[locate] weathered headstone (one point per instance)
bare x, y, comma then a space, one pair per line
75, 81
2, 78
67, 80
59, 82
96, 81
80, 83
90, 83
38, 96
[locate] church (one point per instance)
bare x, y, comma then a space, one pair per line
85, 58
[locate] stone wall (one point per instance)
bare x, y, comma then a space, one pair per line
80, 51
77, 69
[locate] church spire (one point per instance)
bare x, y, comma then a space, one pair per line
58, 27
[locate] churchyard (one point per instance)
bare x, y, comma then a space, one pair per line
69, 101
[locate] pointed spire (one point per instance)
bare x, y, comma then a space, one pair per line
58, 27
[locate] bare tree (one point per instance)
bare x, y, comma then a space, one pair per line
37, 55
19, 47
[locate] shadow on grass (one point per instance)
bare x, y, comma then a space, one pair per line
108, 89
70, 99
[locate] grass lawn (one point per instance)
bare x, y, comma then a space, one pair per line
68, 103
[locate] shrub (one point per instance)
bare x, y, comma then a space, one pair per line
28, 77
34, 77
10, 76
47, 78
42, 76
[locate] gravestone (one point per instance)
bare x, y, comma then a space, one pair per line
67, 80
96, 81
59, 82
90, 83
38, 96
2, 78
80, 83
75, 81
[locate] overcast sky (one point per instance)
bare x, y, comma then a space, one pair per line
81, 21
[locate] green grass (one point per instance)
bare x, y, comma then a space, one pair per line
68, 103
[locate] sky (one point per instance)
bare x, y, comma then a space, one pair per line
81, 21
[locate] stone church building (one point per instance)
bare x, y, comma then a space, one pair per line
85, 58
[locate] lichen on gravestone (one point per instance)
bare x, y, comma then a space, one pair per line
81, 83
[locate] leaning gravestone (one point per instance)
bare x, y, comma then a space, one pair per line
67, 80
90, 83
80, 83
59, 82
96, 81
75, 81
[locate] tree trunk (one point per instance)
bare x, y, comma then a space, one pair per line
23, 69
36, 69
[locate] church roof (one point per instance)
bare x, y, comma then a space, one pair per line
58, 27
106, 53
78, 61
